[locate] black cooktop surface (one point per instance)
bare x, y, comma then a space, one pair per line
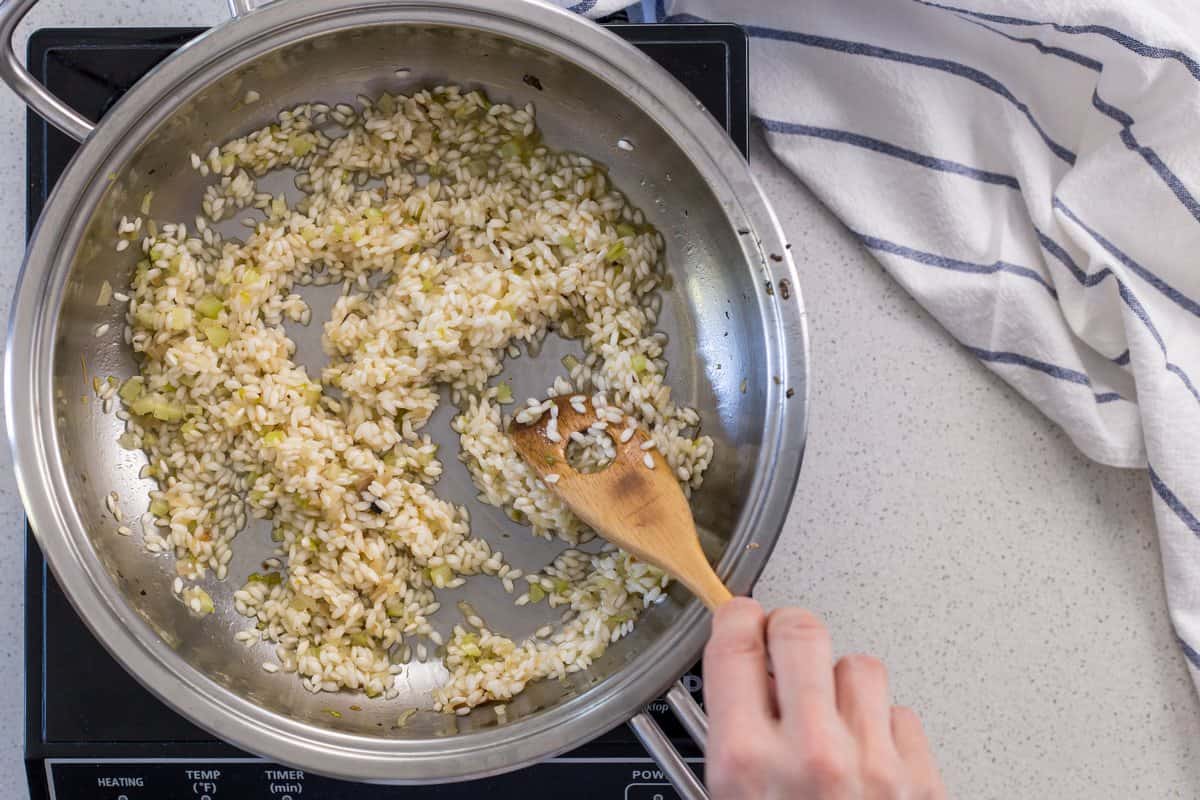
91, 730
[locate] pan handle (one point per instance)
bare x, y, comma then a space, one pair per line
664, 753
36, 96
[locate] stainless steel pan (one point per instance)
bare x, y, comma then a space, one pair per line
738, 352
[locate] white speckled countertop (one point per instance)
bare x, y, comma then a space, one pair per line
1013, 587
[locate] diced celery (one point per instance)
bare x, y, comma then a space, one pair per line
106, 293
441, 575
301, 145
471, 650
395, 608
210, 306
504, 393
625, 229
615, 251
179, 319
157, 252
360, 639
273, 438
159, 508
218, 335
386, 103
536, 593
561, 586
167, 411
157, 406
510, 149
638, 362
132, 389
567, 243
270, 578
426, 284
251, 276
570, 362
312, 394
206, 602
372, 213
145, 316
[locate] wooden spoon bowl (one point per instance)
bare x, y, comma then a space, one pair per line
635, 502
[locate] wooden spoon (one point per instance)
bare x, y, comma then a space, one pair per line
636, 507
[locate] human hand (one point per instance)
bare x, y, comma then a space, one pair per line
812, 730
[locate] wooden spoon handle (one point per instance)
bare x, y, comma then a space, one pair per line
708, 587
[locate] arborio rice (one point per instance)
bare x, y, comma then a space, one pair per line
454, 233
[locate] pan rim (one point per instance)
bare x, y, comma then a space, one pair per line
41, 476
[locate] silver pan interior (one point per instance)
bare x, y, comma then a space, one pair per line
737, 353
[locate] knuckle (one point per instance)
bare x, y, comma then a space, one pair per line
796, 625
885, 779
737, 630
929, 788
720, 647
825, 769
736, 763
861, 667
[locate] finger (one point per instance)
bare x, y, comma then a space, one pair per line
913, 747
864, 703
802, 657
736, 691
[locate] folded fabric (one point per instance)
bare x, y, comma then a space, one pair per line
1028, 172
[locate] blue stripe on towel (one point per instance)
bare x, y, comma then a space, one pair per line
874, 51
889, 149
1174, 503
1059, 252
1191, 654
955, 264
1048, 49
945, 65
1121, 38
1152, 158
1053, 370
1122, 118
1176, 296
1140, 312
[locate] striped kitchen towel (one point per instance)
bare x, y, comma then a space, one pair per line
1030, 172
